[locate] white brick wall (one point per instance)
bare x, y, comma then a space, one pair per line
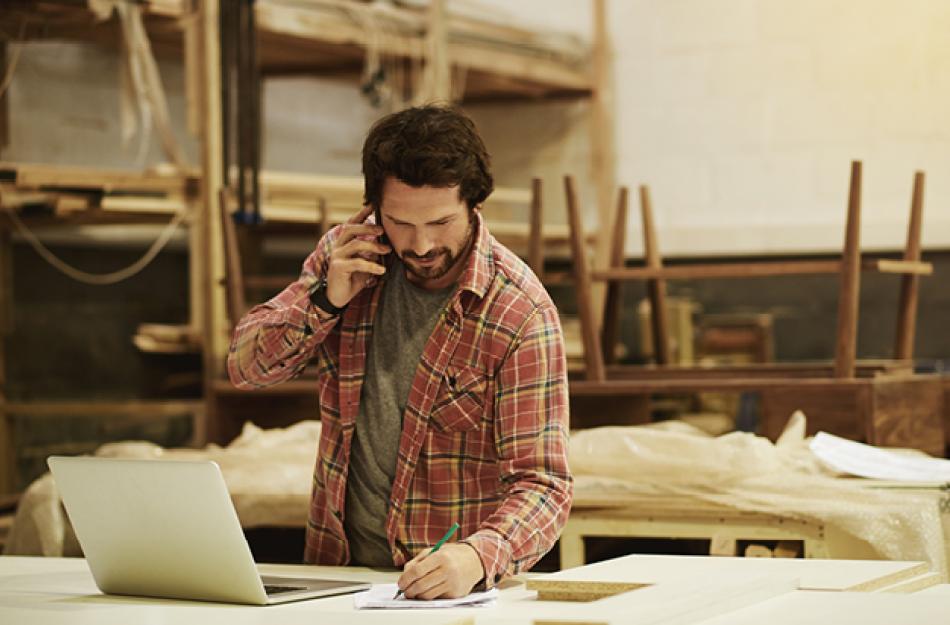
743, 117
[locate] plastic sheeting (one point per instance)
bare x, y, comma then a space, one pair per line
269, 475
746, 472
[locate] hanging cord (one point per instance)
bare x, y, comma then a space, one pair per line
11, 68
98, 278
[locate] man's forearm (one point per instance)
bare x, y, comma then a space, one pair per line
525, 526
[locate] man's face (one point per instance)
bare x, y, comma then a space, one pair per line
430, 229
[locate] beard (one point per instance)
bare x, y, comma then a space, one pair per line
444, 258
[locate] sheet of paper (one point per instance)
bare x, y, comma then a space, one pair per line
381, 596
877, 463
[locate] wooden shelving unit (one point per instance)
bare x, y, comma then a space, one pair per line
313, 37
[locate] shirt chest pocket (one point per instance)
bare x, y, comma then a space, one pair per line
461, 401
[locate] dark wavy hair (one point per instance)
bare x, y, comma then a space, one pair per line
430, 145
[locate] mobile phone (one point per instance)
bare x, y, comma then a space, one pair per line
379, 222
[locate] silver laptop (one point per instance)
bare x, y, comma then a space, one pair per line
162, 528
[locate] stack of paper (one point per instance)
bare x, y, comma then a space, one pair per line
876, 463
381, 596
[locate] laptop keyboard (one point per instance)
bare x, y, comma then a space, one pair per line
276, 590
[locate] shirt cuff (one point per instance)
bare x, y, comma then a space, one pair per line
495, 554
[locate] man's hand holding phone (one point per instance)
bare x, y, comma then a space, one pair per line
355, 258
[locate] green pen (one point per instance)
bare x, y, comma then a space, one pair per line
438, 545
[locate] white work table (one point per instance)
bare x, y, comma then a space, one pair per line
54, 591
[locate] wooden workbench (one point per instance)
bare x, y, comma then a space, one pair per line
53, 591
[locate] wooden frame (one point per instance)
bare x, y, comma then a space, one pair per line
912, 417
719, 525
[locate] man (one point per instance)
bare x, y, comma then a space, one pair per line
442, 379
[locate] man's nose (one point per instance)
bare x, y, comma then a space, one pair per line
421, 243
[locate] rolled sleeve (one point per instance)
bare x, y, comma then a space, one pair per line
275, 340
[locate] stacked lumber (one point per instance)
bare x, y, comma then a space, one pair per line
157, 338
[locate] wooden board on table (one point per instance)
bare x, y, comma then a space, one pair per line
915, 584
801, 608
938, 590
840, 575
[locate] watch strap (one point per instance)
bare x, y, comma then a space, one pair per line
318, 297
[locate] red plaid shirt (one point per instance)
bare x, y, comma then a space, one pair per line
484, 435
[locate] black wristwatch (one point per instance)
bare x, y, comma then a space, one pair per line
318, 297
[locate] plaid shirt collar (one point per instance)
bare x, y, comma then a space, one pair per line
478, 272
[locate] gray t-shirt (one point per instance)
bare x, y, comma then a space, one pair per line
404, 321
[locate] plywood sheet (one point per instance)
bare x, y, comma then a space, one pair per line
814, 574
801, 608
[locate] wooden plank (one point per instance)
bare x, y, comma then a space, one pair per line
656, 287
438, 69
312, 29
593, 358
671, 517
757, 269
864, 369
908, 413
234, 284
916, 584
545, 72
849, 293
701, 271
4, 100
104, 409
938, 590
7, 446
906, 267
614, 301
813, 574
213, 321
108, 180
191, 53
946, 409
301, 387
840, 409
535, 241
910, 284
799, 608
848, 388
603, 152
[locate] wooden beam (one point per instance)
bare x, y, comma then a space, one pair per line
820, 369
438, 69
593, 357
721, 270
602, 147
656, 287
535, 240
4, 99
622, 388
905, 267
233, 271
27, 176
613, 303
849, 294
104, 409
191, 53
7, 446
209, 255
907, 306
757, 269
